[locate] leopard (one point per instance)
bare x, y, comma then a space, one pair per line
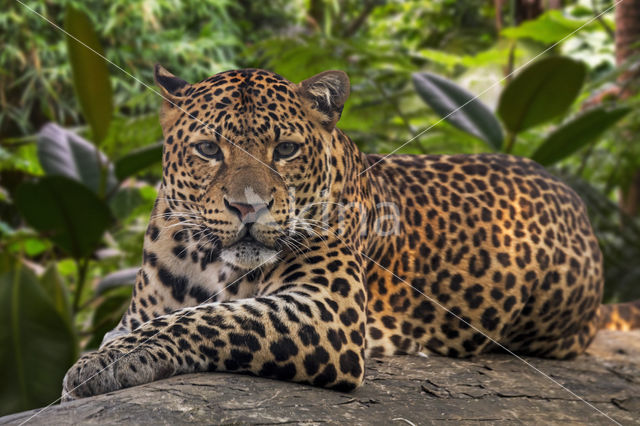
276, 248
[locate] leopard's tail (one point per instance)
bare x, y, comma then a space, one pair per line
620, 316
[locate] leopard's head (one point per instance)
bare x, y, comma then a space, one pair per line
246, 152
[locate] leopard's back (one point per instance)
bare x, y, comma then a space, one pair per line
491, 247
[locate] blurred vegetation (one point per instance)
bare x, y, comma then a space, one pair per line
80, 144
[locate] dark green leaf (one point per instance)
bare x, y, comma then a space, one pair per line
125, 202
6, 262
138, 160
108, 314
471, 115
540, 92
56, 287
38, 345
575, 134
65, 210
129, 202
90, 72
64, 153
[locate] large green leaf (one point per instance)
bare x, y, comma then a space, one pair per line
540, 92
90, 72
108, 314
125, 202
550, 27
138, 160
485, 58
64, 153
129, 202
55, 286
459, 107
38, 345
66, 211
577, 133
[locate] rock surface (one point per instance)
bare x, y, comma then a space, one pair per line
600, 387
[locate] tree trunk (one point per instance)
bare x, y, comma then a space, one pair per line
627, 35
527, 10
595, 388
315, 15
627, 45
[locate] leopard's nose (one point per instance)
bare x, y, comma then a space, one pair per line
247, 212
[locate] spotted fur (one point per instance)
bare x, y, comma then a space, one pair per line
299, 267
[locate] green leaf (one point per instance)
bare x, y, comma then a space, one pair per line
129, 203
38, 345
55, 286
108, 314
66, 211
550, 27
125, 202
575, 134
459, 107
489, 57
6, 262
64, 153
138, 160
31, 246
449, 60
90, 72
540, 92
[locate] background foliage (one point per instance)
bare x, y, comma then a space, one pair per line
80, 143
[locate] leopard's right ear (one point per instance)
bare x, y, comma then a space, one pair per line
327, 91
172, 87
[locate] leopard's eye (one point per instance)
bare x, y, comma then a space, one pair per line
285, 150
209, 150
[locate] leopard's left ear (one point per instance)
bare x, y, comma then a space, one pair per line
327, 92
173, 90
172, 87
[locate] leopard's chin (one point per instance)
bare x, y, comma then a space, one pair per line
247, 255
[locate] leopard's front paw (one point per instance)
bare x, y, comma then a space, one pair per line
111, 369
92, 374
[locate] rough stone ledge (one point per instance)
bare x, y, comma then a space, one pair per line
493, 389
